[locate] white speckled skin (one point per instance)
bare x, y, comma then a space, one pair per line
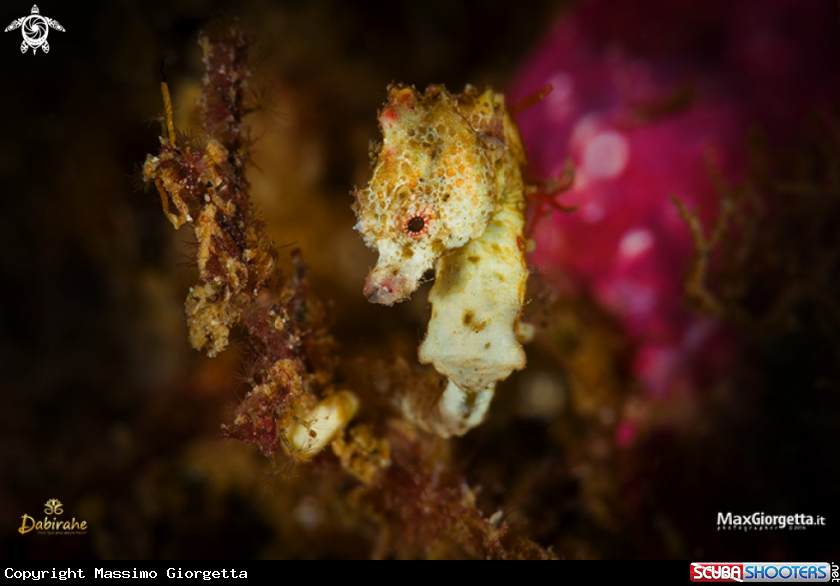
455, 162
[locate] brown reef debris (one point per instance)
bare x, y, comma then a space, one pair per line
772, 257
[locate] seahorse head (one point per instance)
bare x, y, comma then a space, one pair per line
432, 190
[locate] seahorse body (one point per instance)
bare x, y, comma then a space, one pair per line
447, 192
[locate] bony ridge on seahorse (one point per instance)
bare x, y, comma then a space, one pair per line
447, 192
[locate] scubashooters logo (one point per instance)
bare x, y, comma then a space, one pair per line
51, 524
790, 572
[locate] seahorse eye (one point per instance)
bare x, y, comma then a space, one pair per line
417, 220
416, 224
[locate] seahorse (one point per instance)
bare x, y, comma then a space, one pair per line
446, 192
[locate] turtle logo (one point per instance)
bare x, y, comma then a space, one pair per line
34, 28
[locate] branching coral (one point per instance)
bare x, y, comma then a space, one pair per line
293, 402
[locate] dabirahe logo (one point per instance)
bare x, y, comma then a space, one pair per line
54, 525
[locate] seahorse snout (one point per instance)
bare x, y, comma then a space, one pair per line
386, 290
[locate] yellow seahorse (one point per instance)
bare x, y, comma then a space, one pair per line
447, 192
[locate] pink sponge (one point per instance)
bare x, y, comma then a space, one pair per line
647, 98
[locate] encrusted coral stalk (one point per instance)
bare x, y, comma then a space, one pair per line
202, 182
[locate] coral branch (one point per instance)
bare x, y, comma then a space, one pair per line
292, 403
